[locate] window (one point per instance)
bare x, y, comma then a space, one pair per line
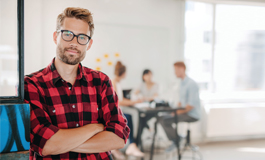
225, 50
198, 44
11, 51
239, 48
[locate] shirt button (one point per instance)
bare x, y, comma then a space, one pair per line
73, 106
77, 124
53, 111
97, 108
69, 88
62, 80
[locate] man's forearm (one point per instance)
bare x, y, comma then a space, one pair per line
186, 110
126, 102
66, 139
101, 142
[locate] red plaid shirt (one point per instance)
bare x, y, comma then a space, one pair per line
90, 100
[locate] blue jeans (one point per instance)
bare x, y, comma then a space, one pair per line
130, 124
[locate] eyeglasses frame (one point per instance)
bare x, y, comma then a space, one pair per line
74, 35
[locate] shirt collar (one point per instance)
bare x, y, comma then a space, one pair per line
185, 80
55, 76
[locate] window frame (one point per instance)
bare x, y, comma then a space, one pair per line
20, 44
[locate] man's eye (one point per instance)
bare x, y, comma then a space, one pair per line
82, 37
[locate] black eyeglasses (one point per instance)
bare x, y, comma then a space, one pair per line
68, 36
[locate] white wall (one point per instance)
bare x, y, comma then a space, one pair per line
33, 25
236, 120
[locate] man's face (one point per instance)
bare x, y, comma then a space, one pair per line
72, 52
179, 71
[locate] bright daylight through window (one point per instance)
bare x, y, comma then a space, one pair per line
9, 80
225, 49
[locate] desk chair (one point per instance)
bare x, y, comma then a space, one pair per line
186, 146
127, 93
196, 155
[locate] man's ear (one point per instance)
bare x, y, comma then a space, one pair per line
55, 35
89, 44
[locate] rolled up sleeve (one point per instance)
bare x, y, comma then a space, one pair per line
113, 117
41, 129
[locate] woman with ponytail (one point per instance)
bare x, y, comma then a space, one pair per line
120, 73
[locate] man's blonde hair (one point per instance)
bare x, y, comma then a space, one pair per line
78, 13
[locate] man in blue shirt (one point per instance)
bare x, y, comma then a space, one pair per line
188, 99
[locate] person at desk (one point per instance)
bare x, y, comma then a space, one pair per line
189, 99
148, 89
120, 73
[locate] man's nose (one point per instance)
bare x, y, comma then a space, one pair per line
74, 42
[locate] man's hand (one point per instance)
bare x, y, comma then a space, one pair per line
186, 110
189, 107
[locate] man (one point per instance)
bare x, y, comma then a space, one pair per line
74, 109
189, 99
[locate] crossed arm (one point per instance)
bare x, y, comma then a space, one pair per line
87, 139
101, 142
48, 139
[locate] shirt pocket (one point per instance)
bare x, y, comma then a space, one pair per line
90, 113
58, 116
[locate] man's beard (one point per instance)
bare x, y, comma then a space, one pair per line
69, 59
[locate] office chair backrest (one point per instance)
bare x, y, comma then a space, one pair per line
126, 93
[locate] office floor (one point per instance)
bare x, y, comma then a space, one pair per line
238, 150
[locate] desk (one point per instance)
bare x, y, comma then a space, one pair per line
142, 120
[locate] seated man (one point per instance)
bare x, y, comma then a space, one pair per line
189, 99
